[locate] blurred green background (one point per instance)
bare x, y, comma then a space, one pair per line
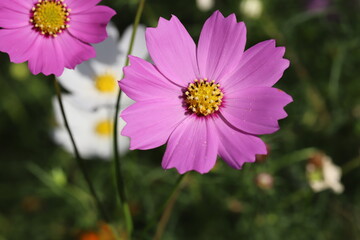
43, 195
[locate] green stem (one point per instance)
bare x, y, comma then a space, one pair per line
335, 73
294, 198
78, 158
351, 165
120, 185
167, 208
292, 158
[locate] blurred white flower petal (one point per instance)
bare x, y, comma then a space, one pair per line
112, 31
107, 51
78, 81
205, 5
324, 174
139, 49
251, 8
92, 130
94, 83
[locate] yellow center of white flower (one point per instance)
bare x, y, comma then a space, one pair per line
104, 128
106, 83
50, 17
203, 97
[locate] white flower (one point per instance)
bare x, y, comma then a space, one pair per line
92, 130
324, 174
251, 8
94, 83
205, 5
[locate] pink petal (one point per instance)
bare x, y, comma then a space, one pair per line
236, 147
10, 18
192, 146
90, 26
255, 110
47, 57
173, 51
150, 123
221, 45
19, 6
74, 50
77, 6
18, 43
144, 82
261, 65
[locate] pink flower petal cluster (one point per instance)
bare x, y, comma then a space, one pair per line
52, 34
162, 113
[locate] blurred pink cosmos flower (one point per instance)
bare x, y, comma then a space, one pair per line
204, 101
52, 34
317, 5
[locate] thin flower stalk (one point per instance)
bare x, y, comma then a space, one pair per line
78, 158
168, 207
118, 167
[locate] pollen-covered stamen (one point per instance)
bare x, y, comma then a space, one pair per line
203, 97
50, 17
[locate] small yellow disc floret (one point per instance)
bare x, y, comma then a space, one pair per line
203, 97
104, 128
106, 83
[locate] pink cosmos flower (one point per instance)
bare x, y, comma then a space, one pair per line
52, 34
204, 101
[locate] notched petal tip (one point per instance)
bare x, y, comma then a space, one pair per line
243, 25
160, 23
133, 60
290, 99
272, 42
217, 13
183, 171
287, 98
59, 73
173, 17
286, 64
232, 16
111, 12
281, 49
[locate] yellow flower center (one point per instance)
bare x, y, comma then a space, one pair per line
203, 97
104, 128
106, 83
50, 17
